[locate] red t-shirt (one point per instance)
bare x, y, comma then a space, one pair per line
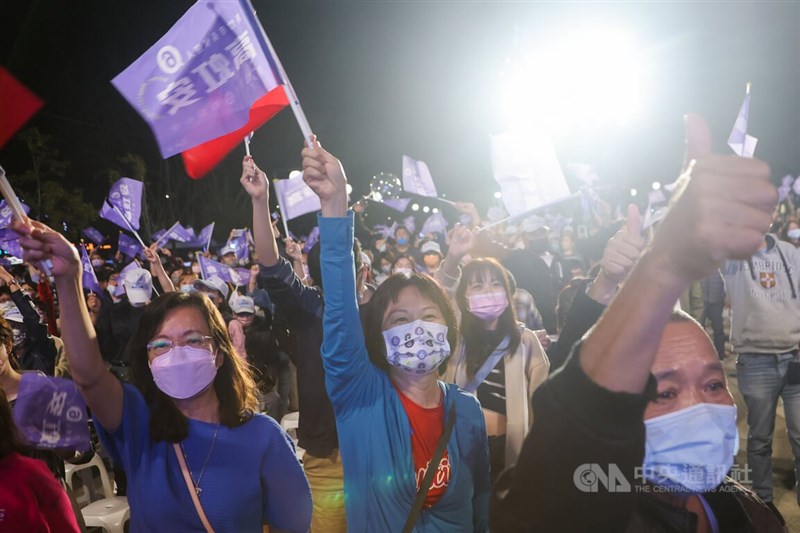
31, 499
427, 426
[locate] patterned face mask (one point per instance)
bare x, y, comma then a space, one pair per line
418, 347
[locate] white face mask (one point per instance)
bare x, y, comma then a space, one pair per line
187, 287
403, 270
418, 347
691, 450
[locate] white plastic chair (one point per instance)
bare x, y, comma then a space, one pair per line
290, 423
110, 512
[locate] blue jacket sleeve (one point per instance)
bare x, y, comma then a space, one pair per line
287, 291
350, 378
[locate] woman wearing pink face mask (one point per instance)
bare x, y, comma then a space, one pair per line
497, 358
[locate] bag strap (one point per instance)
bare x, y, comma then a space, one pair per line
422, 493
488, 365
187, 477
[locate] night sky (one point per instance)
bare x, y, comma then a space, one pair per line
381, 79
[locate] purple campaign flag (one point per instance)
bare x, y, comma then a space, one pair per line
156, 235
204, 238
238, 243
6, 213
129, 246
741, 143
417, 178
9, 242
94, 235
312, 239
386, 231
180, 234
126, 196
199, 81
244, 276
50, 413
210, 268
410, 223
398, 204
89, 277
295, 197
435, 224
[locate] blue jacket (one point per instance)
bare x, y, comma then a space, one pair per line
374, 431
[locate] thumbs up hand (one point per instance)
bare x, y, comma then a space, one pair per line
722, 210
623, 249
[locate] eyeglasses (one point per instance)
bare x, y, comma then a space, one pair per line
162, 346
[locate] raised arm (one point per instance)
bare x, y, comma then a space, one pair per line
348, 372
254, 181
157, 269
101, 390
449, 274
723, 212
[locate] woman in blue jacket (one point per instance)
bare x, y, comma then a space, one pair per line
391, 409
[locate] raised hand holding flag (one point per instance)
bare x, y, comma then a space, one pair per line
741, 143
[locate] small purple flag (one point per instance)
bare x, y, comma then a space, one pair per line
94, 235
435, 224
244, 276
51, 413
238, 242
6, 214
741, 143
129, 246
386, 231
210, 268
312, 239
89, 277
199, 81
417, 178
179, 233
204, 238
125, 195
156, 235
295, 197
410, 223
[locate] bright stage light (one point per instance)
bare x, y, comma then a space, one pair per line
498, 195
415, 207
435, 210
576, 79
656, 185
634, 192
294, 174
348, 188
426, 209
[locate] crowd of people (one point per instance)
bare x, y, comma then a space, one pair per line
556, 384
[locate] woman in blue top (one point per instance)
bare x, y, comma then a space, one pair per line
390, 405
194, 402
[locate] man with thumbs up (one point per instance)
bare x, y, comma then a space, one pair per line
638, 429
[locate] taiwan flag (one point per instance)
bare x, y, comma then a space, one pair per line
17, 105
206, 84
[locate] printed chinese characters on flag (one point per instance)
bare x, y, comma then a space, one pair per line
207, 78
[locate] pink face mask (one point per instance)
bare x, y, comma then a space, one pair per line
183, 371
487, 305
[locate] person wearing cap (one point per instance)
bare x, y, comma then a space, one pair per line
215, 289
255, 343
431, 256
33, 347
227, 256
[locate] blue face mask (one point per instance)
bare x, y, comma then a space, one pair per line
402, 241
691, 450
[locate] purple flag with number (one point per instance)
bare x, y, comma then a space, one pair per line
89, 277
129, 246
435, 224
126, 196
94, 235
238, 242
295, 197
6, 214
741, 143
199, 81
50, 413
210, 268
417, 178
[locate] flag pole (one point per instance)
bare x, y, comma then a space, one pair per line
283, 211
294, 102
210, 234
166, 234
530, 212
127, 223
